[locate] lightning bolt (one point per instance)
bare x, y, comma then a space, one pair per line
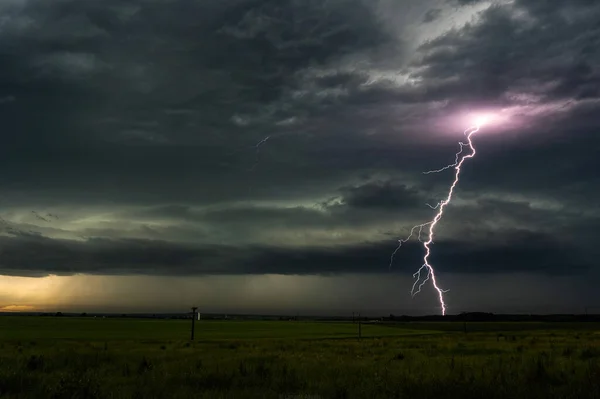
257, 148
419, 282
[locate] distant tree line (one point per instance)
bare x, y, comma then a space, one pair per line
489, 317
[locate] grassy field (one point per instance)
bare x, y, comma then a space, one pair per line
155, 329
43, 357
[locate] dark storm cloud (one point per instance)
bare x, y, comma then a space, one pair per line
363, 204
540, 7
504, 52
202, 63
91, 78
432, 15
381, 194
466, 2
515, 251
266, 217
569, 176
510, 251
24, 256
159, 106
287, 168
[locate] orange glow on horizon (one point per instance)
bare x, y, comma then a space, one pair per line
17, 308
22, 294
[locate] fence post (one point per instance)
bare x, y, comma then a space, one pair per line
193, 321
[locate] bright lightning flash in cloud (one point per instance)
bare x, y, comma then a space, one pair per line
426, 271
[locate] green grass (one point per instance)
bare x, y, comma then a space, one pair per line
124, 358
150, 329
496, 326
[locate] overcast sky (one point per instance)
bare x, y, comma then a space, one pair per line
266, 155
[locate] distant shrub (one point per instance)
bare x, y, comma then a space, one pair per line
242, 368
35, 363
145, 366
589, 353
568, 351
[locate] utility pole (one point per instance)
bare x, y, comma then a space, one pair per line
193, 321
359, 327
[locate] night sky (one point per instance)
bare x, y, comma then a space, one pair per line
267, 155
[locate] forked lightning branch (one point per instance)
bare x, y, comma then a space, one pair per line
426, 272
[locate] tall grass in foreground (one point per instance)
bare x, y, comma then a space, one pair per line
540, 364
